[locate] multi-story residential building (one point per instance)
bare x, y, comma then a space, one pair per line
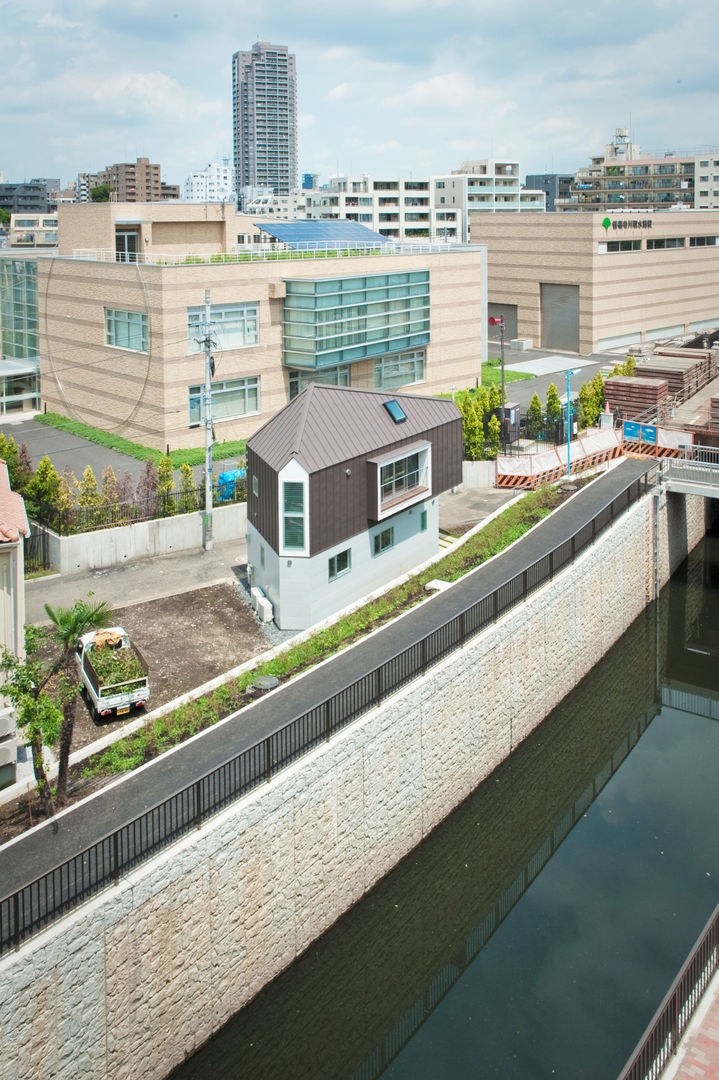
625, 178
363, 312
554, 185
215, 183
31, 196
591, 282
264, 112
309, 181
139, 181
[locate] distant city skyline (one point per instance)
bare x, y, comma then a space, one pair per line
411, 87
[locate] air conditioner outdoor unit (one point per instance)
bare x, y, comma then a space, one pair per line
264, 609
7, 723
256, 594
8, 752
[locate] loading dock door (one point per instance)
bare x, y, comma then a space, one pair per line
560, 316
509, 313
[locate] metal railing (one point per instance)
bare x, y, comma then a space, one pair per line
65, 886
661, 1039
270, 253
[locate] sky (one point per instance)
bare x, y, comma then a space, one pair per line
408, 87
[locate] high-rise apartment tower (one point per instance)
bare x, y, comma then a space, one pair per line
264, 113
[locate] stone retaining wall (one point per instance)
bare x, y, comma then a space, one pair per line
135, 980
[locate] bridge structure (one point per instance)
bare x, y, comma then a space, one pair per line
694, 471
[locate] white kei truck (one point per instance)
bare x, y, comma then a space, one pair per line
113, 673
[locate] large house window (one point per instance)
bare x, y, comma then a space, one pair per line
399, 477
399, 370
233, 326
340, 564
230, 399
293, 514
126, 329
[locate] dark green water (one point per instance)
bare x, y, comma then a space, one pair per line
537, 929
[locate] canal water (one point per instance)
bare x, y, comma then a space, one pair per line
537, 929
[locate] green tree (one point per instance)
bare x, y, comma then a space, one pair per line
109, 486
554, 406
482, 401
18, 463
69, 624
4, 216
535, 417
165, 486
37, 715
472, 433
494, 432
495, 397
586, 408
44, 485
597, 385
188, 490
630, 365
88, 492
101, 193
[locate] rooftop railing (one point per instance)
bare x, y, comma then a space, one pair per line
268, 253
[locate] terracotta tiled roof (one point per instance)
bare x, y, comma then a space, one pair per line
13, 519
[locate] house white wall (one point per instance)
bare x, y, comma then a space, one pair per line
299, 588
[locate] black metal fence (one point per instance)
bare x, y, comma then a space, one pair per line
80, 519
36, 552
62, 888
661, 1039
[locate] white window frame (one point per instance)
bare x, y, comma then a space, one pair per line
246, 334
293, 473
247, 386
117, 319
416, 494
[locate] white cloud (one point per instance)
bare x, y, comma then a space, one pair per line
339, 92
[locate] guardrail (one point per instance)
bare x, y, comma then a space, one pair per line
62, 888
661, 1039
272, 253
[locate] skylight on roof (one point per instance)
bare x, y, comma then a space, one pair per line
395, 410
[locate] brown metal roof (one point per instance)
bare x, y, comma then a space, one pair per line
325, 425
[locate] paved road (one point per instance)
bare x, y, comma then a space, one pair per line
80, 826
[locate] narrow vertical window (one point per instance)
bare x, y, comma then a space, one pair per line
293, 514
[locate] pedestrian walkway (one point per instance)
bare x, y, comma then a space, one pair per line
698, 1055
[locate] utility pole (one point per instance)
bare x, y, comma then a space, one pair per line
206, 342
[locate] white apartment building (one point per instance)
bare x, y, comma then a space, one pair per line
398, 208
426, 208
215, 183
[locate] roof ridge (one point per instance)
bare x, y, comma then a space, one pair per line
307, 395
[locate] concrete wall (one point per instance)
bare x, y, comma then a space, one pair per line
138, 978
112, 547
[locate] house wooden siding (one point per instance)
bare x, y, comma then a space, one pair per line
340, 506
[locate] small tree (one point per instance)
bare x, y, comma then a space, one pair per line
109, 486
147, 491
535, 417
88, 492
630, 365
495, 397
17, 459
36, 713
482, 402
586, 408
165, 486
554, 406
44, 485
69, 624
597, 385
494, 432
188, 490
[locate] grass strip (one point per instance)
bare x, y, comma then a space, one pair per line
195, 456
187, 720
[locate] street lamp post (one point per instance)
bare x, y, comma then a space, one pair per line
498, 320
570, 371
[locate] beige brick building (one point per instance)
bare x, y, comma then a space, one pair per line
588, 282
118, 340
